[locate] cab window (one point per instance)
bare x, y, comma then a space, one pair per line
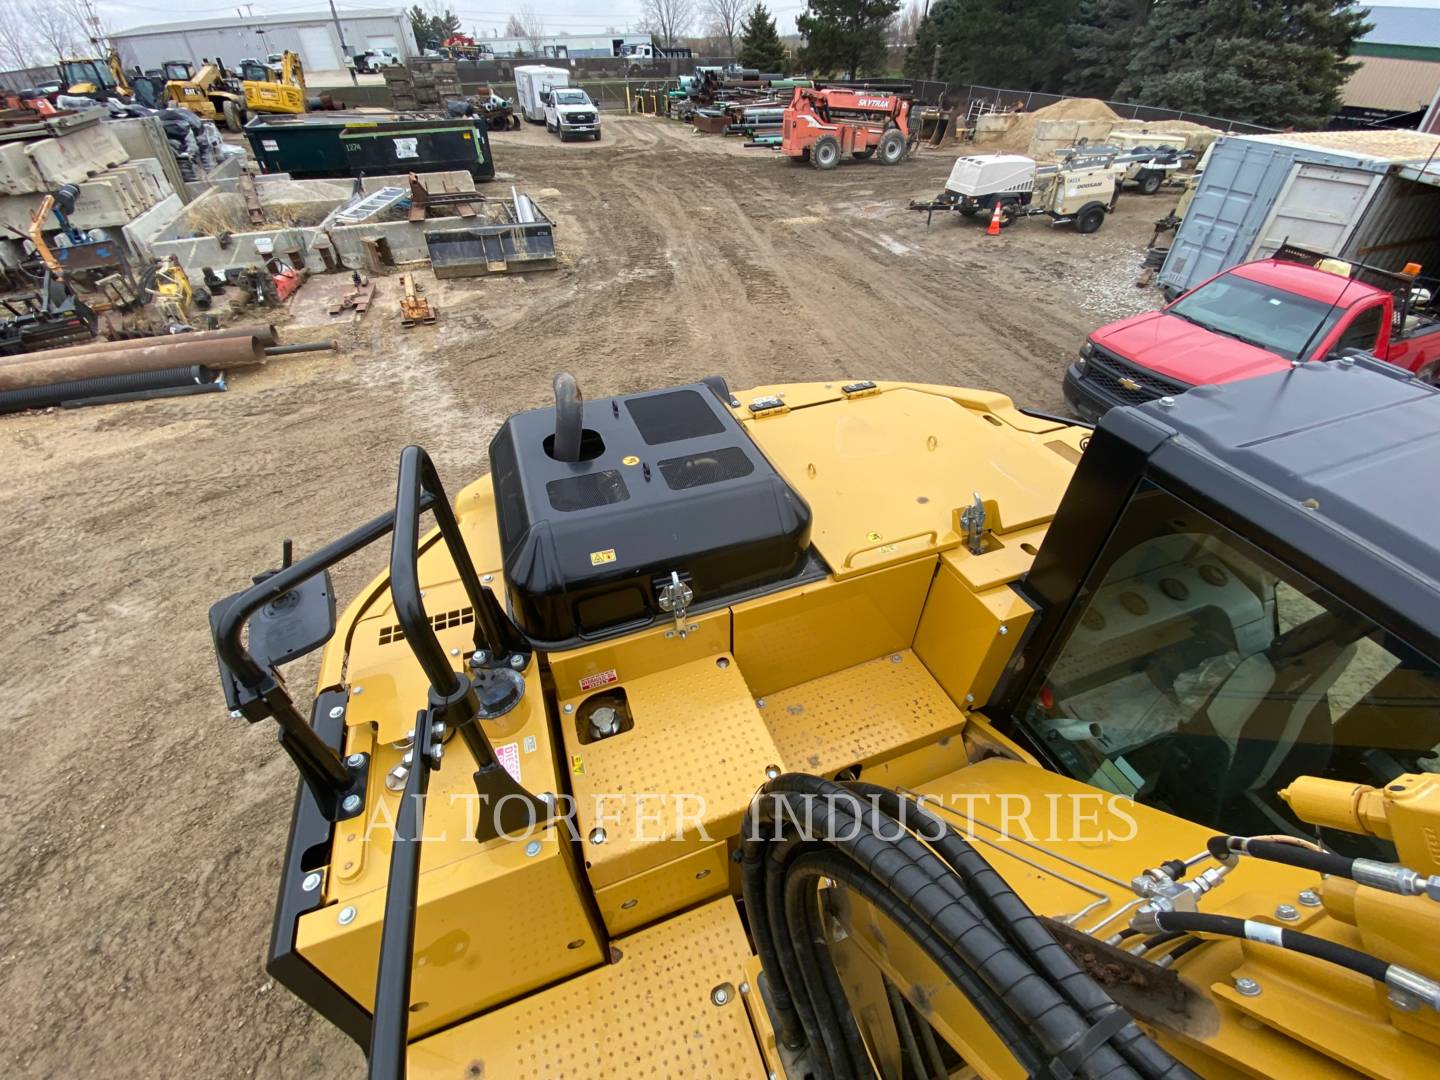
1363, 331
1201, 677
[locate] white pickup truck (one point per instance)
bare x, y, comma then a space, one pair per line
570, 112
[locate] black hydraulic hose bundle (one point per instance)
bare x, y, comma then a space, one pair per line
1269, 934
801, 831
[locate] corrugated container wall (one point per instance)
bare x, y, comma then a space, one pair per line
1260, 191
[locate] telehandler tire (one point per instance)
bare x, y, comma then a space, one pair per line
234, 118
892, 147
825, 152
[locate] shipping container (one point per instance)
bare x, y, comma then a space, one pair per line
531, 81
1367, 196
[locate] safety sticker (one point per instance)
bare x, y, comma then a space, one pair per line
269, 144
529, 744
508, 754
600, 678
407, 148
600, 558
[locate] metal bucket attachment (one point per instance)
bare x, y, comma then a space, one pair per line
525, 241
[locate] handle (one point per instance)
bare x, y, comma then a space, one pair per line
931, 534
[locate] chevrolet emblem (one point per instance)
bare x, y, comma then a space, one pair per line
1129, 384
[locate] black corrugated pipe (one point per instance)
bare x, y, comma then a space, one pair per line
801, 830
187, 390
41, 397
569, 418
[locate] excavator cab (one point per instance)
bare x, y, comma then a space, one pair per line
876, 729
92, 78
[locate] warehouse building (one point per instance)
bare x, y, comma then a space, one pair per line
568, 46
314, 37
1399, 74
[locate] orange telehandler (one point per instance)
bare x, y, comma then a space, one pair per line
823, 123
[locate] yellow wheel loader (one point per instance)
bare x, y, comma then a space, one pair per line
267, 90
101, 79
877, 729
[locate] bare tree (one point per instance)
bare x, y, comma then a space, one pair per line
906, 25
527, 23
17, 44
55, 30
723, 19
668, 20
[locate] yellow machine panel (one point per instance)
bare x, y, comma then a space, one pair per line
669, 1005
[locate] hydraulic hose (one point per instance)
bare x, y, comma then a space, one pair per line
1268, 934
1391, 877
801, 830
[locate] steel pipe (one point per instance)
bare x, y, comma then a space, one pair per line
262, 332
40, 369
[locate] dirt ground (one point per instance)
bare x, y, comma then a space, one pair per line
142, 829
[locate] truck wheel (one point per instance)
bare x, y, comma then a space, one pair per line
969, 211
234, 121
825, 153
1150, 181
892, 147
1090, 218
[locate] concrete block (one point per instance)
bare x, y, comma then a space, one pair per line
16, 211
104, 202
76, 155
17, 172
994, 126
140, 232
144, 137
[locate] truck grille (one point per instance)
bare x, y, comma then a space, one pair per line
1125, 382
580, 118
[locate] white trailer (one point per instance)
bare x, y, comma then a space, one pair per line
531, 83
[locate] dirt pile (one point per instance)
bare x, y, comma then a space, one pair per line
1022, 133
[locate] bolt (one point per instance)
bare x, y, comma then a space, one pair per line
532, 848
347, 916
1310, 898
895, 658
569, 708
437, 730
236, 714
436, 753
454, 652
722, 663
517, 661
1169, 403
477, 657
1247, 987
1004, 630
487, 579
356, 691
355, 760
772, 771
1286, 913
744, 988
396, 777
547, 797
1347, 361
969, 699
351, 804
720, 995
597, 836
311, 882
760, 703
337, 712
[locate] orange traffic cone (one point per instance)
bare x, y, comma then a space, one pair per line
994, 228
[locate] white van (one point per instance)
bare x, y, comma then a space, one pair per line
532, 81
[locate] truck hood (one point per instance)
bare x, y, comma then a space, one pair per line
574, 110
1180, 350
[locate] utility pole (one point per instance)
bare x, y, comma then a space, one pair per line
344, 55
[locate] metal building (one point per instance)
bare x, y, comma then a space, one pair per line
1399, 73
313, 36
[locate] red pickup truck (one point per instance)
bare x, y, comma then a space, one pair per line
1254, 319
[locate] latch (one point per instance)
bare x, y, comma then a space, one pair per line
769, 405
675, 597
863, 388
972, 520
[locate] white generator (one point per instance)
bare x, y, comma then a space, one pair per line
531, 83
993, 174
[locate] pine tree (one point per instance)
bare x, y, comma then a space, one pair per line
1011, 44
846, 36
1102, 37
760, 44
420, 24
1275, 62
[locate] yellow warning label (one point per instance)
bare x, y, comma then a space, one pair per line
630, 459
577, 765
599, 558
872, 537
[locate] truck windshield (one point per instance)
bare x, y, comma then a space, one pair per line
1202, 677
571, 97
1261, 315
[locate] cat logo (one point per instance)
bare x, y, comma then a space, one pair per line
1129, 384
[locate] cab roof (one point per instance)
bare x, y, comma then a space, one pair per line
1307, 281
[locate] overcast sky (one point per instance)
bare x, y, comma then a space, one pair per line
478, 16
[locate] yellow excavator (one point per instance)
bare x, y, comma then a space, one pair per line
269, 91
101, 79
208, 91
877, 729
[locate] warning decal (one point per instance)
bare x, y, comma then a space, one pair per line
600, 678
508, 754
